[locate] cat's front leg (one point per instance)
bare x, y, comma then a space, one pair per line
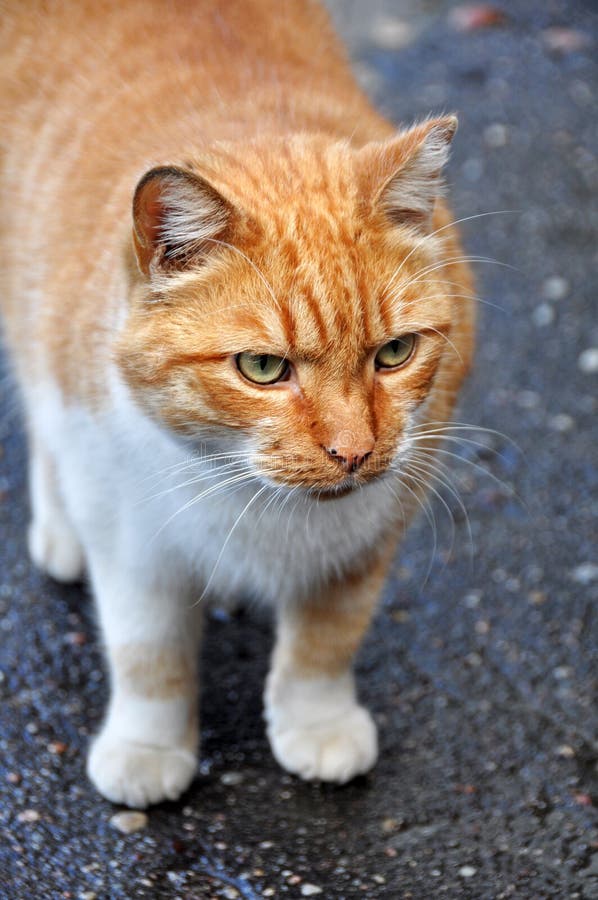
147, 748
316, 727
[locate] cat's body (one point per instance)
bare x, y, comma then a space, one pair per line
285, 219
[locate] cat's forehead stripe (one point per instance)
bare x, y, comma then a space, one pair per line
328, 293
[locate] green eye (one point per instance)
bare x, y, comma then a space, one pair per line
262, 368
396, 352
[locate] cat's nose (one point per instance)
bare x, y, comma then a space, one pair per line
351, 456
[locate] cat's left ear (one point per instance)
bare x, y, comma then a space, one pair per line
177, 219
405, 174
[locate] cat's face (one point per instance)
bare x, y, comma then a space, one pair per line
301, 320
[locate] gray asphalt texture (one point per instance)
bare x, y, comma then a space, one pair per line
481, 668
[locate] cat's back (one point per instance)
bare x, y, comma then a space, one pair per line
60, 58
95, 92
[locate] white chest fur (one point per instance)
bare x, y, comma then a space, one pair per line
133, 490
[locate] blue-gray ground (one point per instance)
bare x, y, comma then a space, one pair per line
483, 674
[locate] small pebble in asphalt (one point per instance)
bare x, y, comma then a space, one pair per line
588, 360
76, 638
555, 288
565, 751
231, 778
496, 135
474, 660
472, 599
400, 616
562, 673
565, 40
528, 399
543, 315
392, 34
562, 422
467, 871
129, 821
310, 890
473, 16
29, 816
585, 573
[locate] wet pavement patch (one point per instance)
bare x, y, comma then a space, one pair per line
481, 668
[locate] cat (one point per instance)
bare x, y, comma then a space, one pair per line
239, 315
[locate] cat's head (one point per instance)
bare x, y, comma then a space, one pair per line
293, 305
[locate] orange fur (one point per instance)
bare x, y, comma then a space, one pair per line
152, 672
321, 635
280, 214
76, 143
308, 269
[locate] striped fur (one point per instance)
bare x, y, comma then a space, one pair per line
183, 182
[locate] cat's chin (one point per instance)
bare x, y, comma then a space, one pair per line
347, 486
336, 492
325, 492
344, 488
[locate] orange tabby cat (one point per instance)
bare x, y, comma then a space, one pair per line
237, 311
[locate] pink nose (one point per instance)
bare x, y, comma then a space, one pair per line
351, 458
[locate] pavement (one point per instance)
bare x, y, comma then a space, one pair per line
481, 668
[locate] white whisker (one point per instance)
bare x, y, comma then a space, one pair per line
497, 212
228, 537
234, 480
197, 479
433, 468
428, 512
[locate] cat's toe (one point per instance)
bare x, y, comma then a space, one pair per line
337, 750
55, 549
139, 775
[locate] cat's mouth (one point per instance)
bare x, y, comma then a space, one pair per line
324, 491
319, 485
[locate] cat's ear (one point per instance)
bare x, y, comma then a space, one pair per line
408, 172
177, 217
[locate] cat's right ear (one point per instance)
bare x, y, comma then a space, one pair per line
404, 175
177, 218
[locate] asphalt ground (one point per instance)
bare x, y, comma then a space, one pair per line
481, 668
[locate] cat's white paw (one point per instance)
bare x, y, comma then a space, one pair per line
55, 549
336, 750
137, 774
